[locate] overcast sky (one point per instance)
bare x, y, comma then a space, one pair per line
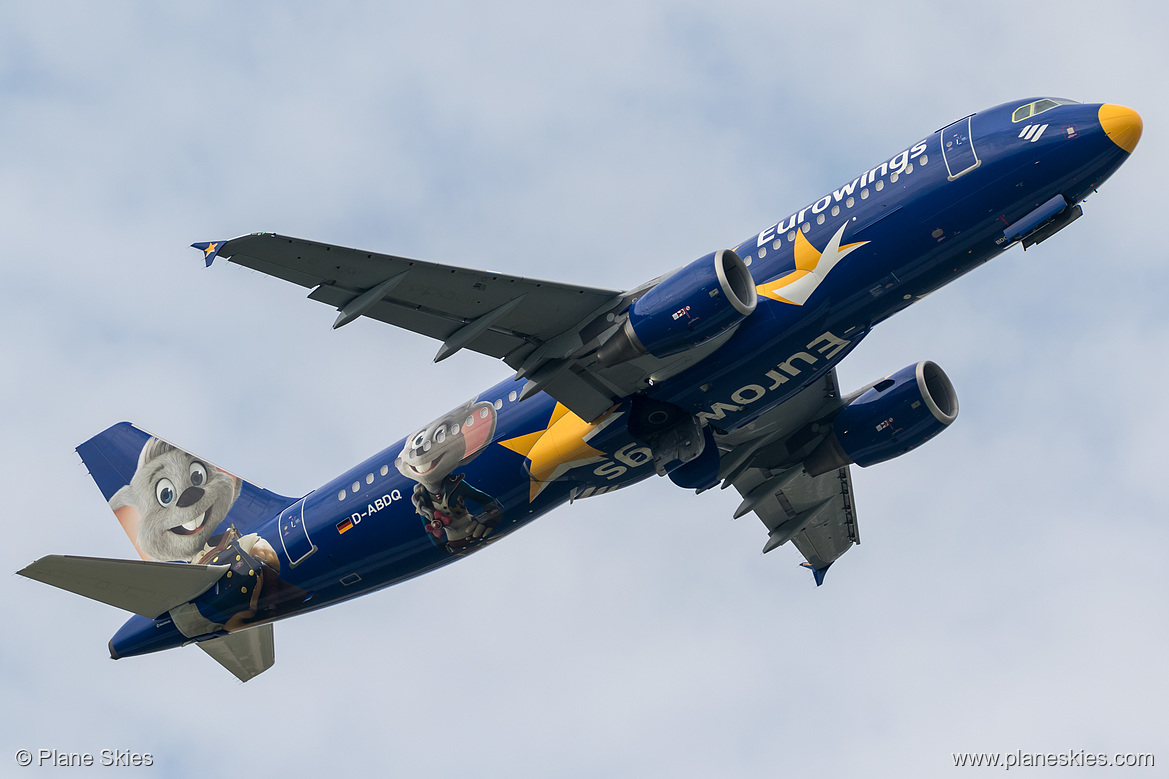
1010, 591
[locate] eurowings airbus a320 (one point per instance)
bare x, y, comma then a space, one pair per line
720, 373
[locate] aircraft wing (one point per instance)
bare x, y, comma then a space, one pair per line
503, 316
542, 329
814, 513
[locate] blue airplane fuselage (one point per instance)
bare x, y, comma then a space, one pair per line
927, 214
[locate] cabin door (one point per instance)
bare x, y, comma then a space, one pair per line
958, 149
294, 534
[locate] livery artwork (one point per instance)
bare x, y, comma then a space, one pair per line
175, 508
431, 456
721, 373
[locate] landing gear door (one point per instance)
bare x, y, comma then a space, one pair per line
294, 534
958, 149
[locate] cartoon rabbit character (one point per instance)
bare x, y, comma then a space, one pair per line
430, 457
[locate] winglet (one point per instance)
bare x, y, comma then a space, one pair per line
210, 250
817, 573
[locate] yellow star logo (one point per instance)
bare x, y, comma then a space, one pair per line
812, 267
211, 247
557, 449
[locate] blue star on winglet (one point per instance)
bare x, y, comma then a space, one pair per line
210, 250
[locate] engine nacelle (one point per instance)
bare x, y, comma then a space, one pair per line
897, 414
697, 303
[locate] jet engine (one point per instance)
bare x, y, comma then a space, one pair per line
700, 301
896, 414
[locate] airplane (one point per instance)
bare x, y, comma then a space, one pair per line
721, 373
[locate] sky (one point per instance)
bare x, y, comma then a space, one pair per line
1010, 589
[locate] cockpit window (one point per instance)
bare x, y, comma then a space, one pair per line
1038, 107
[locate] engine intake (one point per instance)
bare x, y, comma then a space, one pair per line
895, 415
702, 300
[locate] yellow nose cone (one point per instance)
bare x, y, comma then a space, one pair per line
1122, 125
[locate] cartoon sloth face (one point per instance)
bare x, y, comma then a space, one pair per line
180, 498
434, 452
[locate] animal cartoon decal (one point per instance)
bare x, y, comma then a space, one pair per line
431, 456
253, 590
172, 510
173, 503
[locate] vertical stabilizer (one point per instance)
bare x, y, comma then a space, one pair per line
170, 502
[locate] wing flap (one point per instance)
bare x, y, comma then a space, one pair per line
814, 513
246, 653
832, 532
143, 587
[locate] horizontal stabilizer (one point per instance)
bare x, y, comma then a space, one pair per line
246, 654
145, 588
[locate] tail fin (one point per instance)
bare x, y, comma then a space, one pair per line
169, 501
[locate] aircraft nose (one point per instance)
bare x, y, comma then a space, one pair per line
1123, 125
